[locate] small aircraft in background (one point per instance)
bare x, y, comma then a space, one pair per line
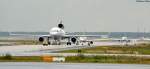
123, 39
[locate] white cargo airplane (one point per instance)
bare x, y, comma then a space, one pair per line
56, 34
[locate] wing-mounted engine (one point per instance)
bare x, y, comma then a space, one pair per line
41, 39
44, 40
60, 25
73, 40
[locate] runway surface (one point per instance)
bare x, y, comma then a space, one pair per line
76, 54
50, 48
38, 50
37, 65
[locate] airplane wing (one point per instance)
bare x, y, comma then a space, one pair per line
82, 35
65, 36
82, 38
13, 34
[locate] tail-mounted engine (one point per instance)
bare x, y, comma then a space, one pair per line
60, 25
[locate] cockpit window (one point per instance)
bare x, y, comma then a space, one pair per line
56, 30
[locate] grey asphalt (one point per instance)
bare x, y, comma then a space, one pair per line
52, 48
75, 54
38, 65
39, 50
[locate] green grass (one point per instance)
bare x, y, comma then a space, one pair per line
81, 59
138, 49
20, 42
108, 59
20, 59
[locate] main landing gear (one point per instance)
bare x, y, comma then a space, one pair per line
68, 43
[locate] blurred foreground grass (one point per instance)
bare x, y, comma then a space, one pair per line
20, 59
130, 49
108, 59
81, 59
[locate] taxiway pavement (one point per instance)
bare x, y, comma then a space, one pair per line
37, 65
28, 50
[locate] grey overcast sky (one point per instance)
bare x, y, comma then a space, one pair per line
77, 15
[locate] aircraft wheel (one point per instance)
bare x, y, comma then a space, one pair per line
45, 44
59, 43
68, 43
91, 42
49, 43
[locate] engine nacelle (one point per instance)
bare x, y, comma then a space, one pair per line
74, 40
41, 39
61, 26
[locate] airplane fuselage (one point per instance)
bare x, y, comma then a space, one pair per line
57, 33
